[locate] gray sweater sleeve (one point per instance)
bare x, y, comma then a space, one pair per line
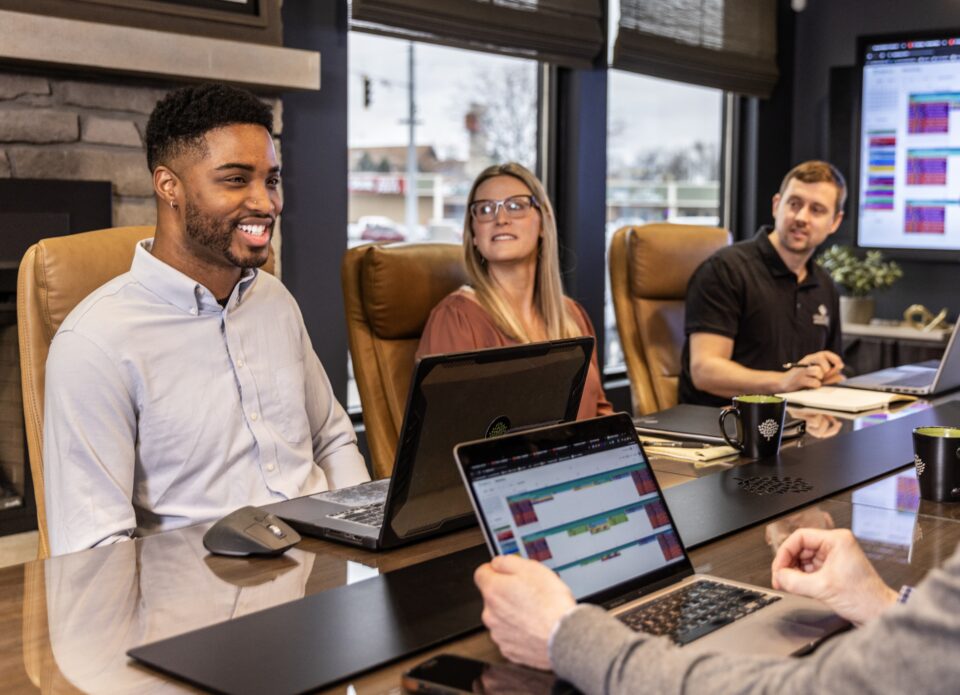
910, 649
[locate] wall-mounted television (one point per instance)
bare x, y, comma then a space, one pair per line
908, 146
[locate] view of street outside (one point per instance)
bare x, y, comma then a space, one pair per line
663, 163
471, 110
474, 109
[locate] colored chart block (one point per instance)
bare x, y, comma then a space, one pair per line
924, 219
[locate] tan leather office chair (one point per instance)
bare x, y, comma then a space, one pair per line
55, 274
650, 267
389, 291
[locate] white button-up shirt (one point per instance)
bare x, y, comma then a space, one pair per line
164, 409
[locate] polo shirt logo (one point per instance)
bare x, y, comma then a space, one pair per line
822, 317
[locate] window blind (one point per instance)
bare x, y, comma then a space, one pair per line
565, 32
726, 44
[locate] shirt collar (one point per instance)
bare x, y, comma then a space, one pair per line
183, 292
775, 263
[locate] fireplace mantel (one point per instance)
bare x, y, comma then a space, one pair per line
31, 39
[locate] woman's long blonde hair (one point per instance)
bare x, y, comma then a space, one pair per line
547, 290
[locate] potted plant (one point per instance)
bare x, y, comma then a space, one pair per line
859, 278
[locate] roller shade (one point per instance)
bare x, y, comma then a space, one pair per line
565, 32
726, 44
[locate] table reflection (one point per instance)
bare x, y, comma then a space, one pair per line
100, 604
819, 425
777, 531
883, 517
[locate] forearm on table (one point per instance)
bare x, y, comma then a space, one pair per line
598, 654
724, 377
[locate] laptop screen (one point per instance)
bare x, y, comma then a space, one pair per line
581, 498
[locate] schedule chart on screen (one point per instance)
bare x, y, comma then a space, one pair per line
910, 145
595, 517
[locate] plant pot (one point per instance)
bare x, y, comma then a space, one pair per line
856, 309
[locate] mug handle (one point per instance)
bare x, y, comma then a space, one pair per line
726, 410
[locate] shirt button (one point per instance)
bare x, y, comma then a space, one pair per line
193, 311
254, 416
271, 468
239, 363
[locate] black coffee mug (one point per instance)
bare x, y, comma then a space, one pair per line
759, 424
936, 454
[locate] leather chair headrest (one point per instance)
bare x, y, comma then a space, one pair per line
68, 268
664, 256
402, 283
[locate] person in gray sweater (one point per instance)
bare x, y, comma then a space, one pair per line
534, 619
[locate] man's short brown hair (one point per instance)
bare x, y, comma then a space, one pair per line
816, 171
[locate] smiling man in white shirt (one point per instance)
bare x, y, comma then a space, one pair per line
188, 386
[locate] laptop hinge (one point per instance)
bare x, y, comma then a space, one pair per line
645, 590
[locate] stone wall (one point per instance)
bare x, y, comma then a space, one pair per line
52, 128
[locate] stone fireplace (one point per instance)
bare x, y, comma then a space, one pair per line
84, 130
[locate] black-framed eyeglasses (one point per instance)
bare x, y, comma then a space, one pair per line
515, 206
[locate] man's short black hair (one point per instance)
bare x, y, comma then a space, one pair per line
180, 120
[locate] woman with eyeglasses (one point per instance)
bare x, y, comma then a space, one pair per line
515, 295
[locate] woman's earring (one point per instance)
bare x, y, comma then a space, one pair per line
173, 205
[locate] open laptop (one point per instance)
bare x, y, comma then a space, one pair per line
582, 499
453, 398
920, 379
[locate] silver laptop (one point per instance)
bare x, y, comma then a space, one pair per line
920, 379
582, 499
452, 398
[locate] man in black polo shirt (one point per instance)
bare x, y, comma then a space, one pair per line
758, 305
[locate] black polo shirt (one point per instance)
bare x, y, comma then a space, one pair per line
745, 292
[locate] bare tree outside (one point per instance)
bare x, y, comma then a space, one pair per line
698, 163
503, 102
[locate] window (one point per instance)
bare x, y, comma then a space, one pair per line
470, 109
663, 163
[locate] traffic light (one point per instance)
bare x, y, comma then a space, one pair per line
366, 92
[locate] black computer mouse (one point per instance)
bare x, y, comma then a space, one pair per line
250, 531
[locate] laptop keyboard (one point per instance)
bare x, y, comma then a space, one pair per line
695, 610
369, 515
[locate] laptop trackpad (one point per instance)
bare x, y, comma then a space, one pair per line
776, 630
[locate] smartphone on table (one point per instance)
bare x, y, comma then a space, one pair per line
448, 674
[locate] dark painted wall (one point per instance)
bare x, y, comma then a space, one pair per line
761, 177
580, 193
826, 37
315, 172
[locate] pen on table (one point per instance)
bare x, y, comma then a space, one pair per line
680, 445
796, 365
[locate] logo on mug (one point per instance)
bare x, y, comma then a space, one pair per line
921, 466
768, 428
499, 427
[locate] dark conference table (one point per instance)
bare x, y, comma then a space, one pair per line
67, 622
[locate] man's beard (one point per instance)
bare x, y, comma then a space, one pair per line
217, 235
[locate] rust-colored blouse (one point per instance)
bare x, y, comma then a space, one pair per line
458, 323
